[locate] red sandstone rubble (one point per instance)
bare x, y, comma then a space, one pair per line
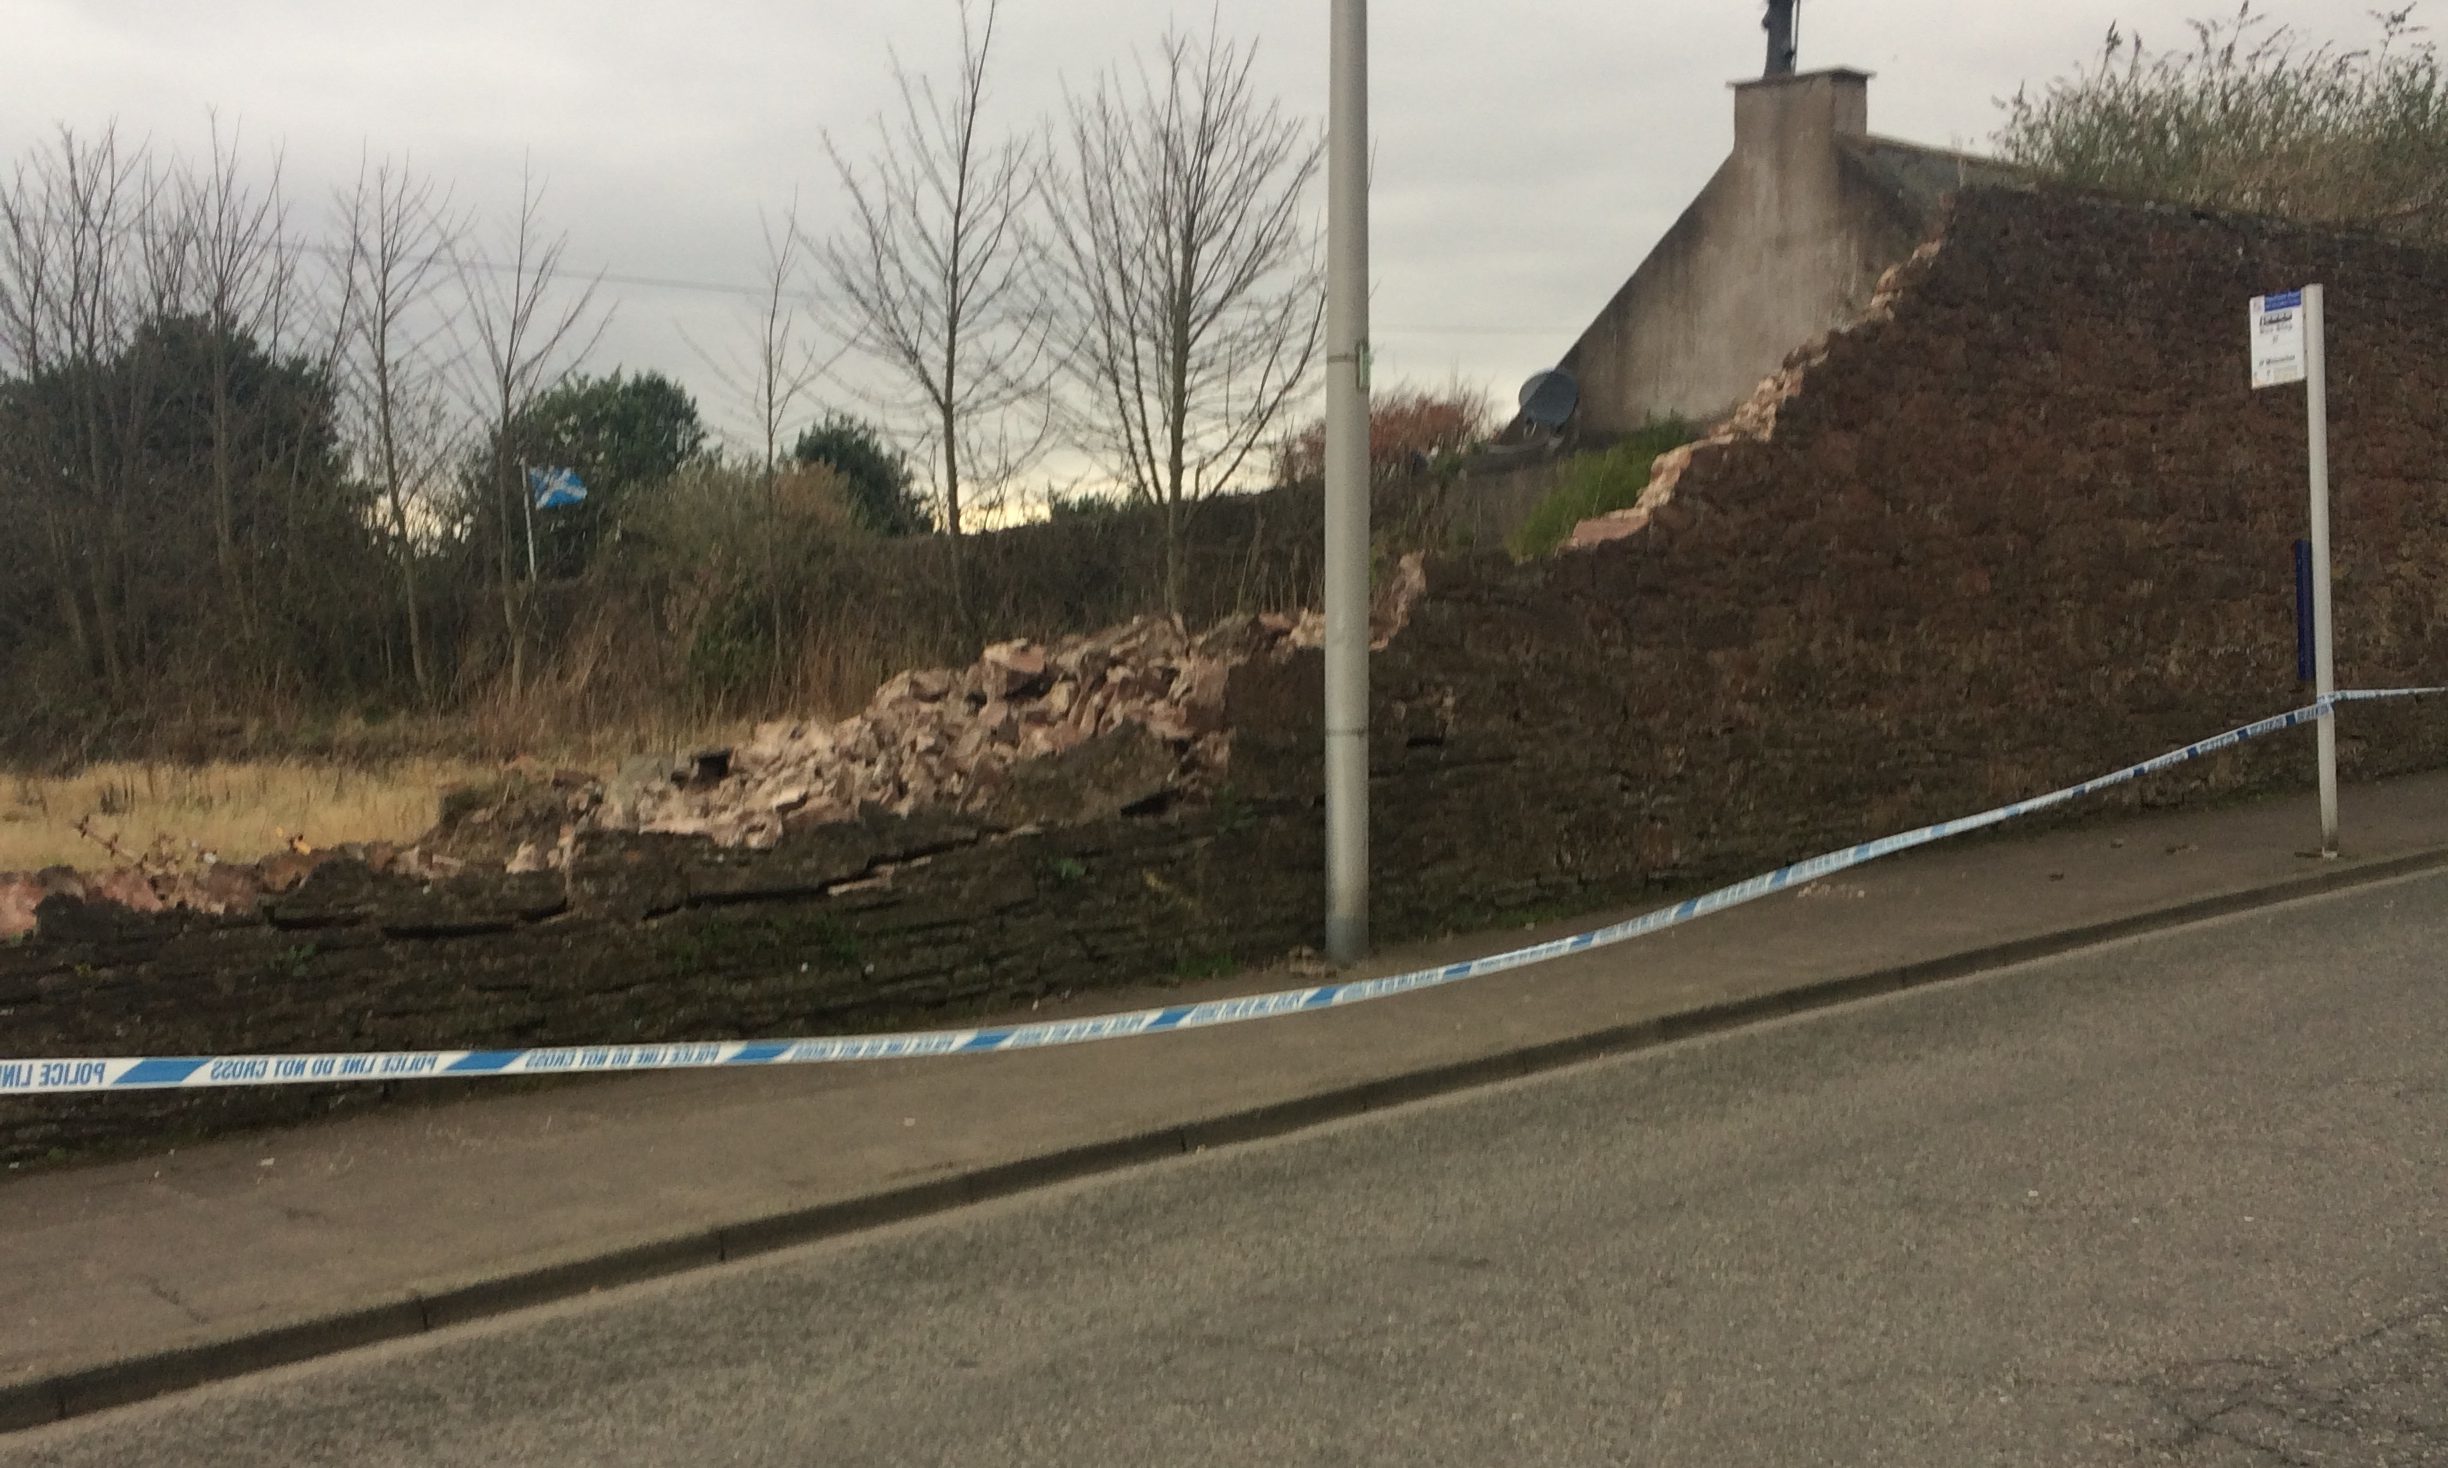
949, 738
19, 893
940, 737
152, 884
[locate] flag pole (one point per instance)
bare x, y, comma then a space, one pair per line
527, 498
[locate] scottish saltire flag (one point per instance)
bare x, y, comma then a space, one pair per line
555, 488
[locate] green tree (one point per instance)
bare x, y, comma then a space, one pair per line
876, 480
622, 434
2253, 117
138, 476
180, 524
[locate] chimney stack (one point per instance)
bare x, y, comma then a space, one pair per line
1783, 46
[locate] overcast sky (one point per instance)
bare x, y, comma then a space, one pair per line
1527, 154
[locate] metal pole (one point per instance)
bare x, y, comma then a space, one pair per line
2324, 668
1347, 486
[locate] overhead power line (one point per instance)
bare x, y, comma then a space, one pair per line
473, 261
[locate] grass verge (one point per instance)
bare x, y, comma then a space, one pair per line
1595, 484
239, 810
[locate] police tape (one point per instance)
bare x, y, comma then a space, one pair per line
53, 1076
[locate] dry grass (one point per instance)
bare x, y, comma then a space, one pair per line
240, 810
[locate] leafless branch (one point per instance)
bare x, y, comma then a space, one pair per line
398, 353
782, 364
936, 278
530, 332
1187, 262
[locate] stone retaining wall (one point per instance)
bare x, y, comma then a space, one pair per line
2031, 527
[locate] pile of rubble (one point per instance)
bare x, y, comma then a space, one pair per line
944, 738
949, 738
201, 883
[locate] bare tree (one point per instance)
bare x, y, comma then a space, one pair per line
167, 452
86, 258
396, 356
1188, 268
936, 279
50, 297
782, 363
531, 330
242, 286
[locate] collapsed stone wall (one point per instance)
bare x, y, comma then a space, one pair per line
2027, 524
1029, 732
958, 739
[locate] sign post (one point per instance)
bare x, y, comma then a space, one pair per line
2288, 346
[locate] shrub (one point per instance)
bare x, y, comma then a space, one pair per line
1081, 505
739, 560
1595, 484
2252, 118
1409, 429
875, 478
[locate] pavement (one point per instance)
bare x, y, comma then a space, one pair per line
129, 1279
2171, 1200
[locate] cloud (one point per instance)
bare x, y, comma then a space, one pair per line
1526, 155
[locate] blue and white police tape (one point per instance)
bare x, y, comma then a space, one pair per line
55, 1076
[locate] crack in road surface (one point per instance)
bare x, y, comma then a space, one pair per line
2379, 1397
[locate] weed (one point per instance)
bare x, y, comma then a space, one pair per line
2252, 116
1233, 811
1595, 484
239, 811
751, 943
1214, 965
683, 954
1482, 917
732, 654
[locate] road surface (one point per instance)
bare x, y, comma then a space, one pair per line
2179, 1200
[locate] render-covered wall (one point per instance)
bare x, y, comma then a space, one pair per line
1785, 243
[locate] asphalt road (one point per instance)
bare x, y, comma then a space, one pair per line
2178, 1200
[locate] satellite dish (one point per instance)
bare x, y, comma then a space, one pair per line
1548, 399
